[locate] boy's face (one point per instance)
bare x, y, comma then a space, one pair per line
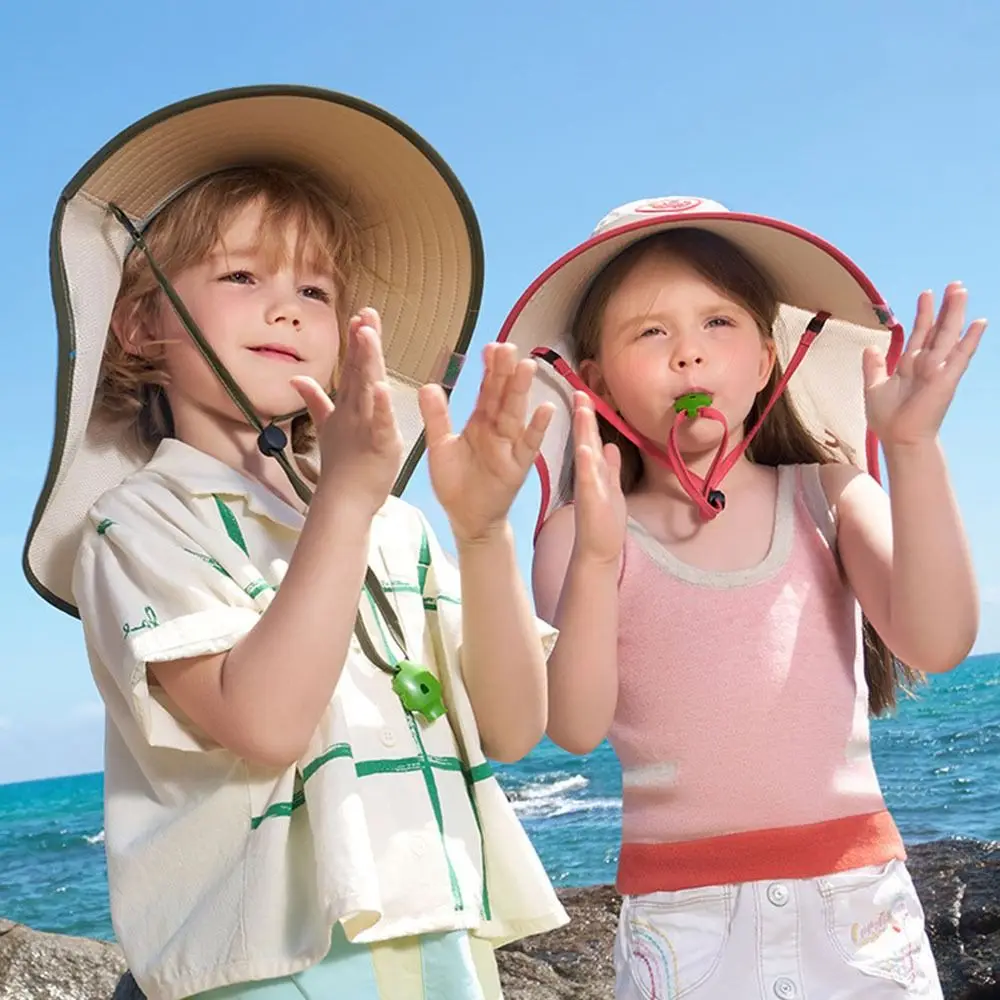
266, 321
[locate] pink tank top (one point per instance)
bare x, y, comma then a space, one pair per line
742, 717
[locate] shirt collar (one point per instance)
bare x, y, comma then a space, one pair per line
200, 474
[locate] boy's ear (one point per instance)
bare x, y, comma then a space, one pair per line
128, 330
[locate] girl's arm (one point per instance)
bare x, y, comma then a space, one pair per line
907, 558
578, 593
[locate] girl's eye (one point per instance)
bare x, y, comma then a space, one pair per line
238, 278
317, 293
719, 321
652, 331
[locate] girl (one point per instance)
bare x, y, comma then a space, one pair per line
731, 547
298, 706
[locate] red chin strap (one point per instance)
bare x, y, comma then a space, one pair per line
704, 493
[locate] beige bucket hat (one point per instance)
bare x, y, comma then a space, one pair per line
813, 279
422, 252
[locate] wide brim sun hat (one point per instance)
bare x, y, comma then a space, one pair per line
422, 267
830, 311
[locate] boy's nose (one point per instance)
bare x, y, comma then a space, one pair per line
284, 310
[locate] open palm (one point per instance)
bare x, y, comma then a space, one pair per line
476, 474
908, 406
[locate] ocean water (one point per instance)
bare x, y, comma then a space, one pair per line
938, 759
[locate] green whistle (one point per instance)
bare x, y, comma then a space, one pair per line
419, 690
692, 403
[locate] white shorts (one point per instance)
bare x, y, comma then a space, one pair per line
855, 935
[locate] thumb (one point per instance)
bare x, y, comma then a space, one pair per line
873, 367
317, 401
434, 410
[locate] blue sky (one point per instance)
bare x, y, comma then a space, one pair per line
871, 123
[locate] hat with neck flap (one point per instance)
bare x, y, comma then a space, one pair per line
829, 312
421, 268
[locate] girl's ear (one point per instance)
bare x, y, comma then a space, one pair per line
768, 357
593, 377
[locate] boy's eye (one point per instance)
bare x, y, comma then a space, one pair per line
238, 277
317, 293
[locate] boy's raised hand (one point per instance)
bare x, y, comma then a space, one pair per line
361, 449
476, 474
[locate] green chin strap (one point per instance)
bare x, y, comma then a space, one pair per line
417, 688
271, 439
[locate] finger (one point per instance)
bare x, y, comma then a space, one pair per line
962, 353
372, 360
348, 375
873, 367
922, 323
317, 401
951, 319
590, 433
527, 446
434, 411
585, 471
383, 424
613, 465
498, 362
514, 404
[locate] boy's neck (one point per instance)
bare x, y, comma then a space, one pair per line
235, 444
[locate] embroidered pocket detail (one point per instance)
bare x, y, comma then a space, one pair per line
876, 923
674, 941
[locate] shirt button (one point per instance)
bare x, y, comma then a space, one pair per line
388, 738
784, 988
777, 894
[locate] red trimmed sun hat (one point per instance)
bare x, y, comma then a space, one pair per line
830, 311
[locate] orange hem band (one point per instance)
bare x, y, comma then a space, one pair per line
784, 852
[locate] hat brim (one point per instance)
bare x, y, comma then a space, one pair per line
422, 268
810, 275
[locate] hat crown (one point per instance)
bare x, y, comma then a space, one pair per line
649, 208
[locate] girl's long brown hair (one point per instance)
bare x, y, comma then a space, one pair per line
783, 439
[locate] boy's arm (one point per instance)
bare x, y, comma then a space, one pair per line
907, 557
580, 597
503, 660
264, 698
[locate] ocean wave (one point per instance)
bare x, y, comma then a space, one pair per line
548, 797
98, 838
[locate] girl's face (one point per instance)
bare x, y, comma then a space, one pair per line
665, 332
268, 320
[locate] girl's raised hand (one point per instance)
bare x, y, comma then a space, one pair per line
908, 406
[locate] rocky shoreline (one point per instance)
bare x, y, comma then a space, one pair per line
958, 882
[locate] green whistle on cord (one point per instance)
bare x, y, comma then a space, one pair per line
692, 402
419, 690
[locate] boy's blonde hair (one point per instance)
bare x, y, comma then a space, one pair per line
130, 390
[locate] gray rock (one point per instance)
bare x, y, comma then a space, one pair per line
958, 882
37, 966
